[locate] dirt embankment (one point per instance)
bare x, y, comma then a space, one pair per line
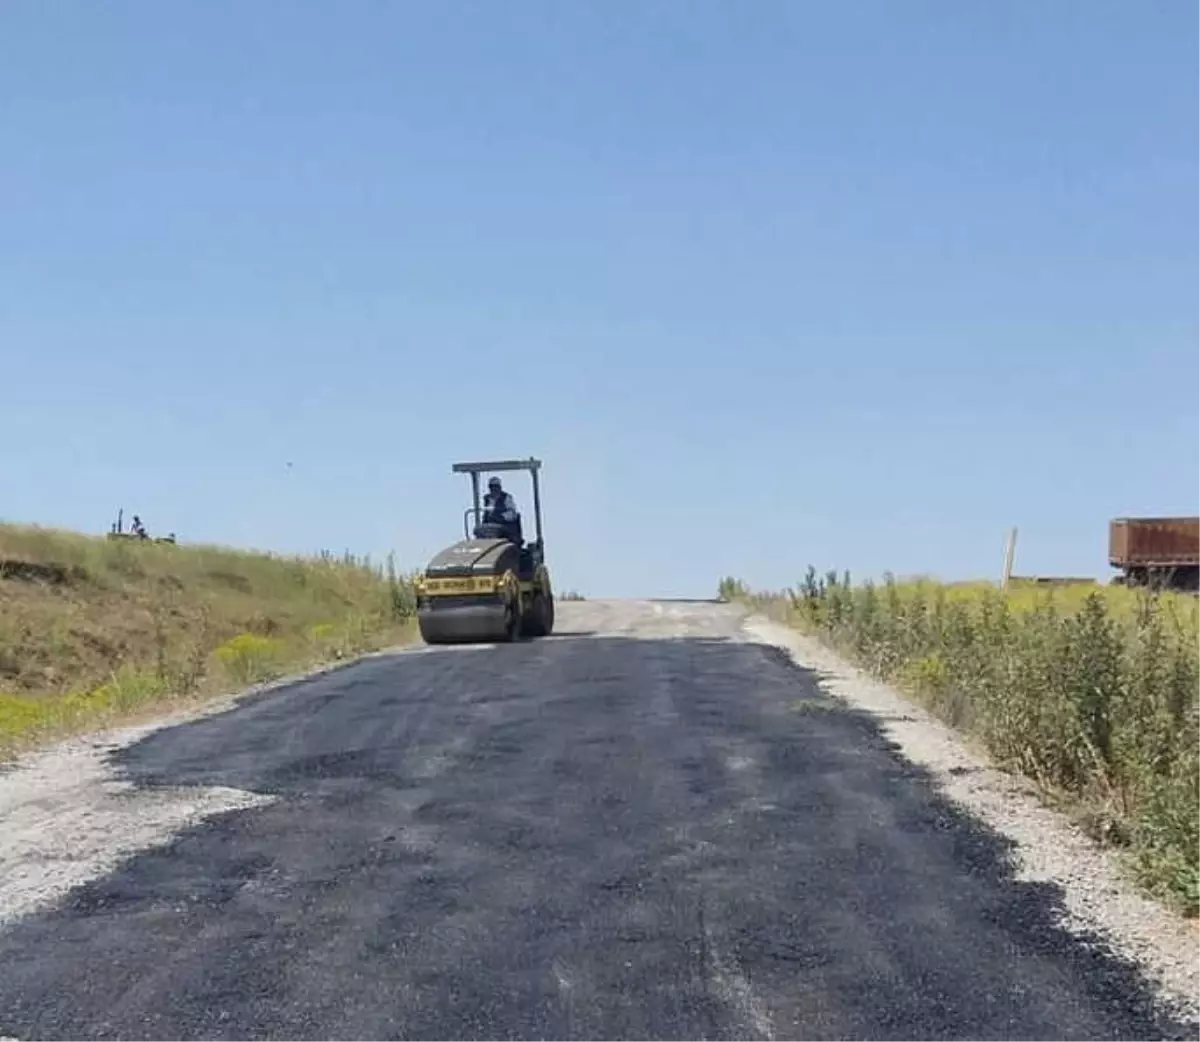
93, 630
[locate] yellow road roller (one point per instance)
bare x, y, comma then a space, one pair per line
490, 586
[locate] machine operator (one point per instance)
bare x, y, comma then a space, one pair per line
499, 508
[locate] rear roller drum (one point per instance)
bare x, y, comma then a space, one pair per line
540, 620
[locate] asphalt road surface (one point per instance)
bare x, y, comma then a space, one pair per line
643, 827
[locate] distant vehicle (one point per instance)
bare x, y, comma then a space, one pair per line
137, 530
1160, 552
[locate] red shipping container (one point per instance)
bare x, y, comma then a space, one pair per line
1154, 541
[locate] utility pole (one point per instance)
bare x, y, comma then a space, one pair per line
1009, 551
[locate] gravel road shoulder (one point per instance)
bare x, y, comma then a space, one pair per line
1097, 898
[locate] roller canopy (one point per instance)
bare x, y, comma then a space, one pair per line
530, 464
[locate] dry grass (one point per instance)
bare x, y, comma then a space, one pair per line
93, 629
1091, 691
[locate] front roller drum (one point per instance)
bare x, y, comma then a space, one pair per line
467, 624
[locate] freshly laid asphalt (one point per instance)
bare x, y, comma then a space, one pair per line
631, 833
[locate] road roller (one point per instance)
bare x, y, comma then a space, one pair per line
491, 586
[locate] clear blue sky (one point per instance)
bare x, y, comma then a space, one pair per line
856, 284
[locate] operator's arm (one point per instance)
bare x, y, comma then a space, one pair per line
507, 509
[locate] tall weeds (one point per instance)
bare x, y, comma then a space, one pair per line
1090, 691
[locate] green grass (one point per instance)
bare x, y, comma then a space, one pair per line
1091, 691
94, 630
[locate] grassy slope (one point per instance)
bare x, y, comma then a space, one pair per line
1091, 691
93, 629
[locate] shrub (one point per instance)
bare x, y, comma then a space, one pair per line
248, 657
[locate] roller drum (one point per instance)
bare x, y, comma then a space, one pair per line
465, 624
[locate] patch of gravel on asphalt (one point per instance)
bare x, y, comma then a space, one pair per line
1098, 899
68, 817
67, 820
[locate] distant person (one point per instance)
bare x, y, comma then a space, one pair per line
137, 528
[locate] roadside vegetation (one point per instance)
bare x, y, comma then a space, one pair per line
1092, 692
93, 630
